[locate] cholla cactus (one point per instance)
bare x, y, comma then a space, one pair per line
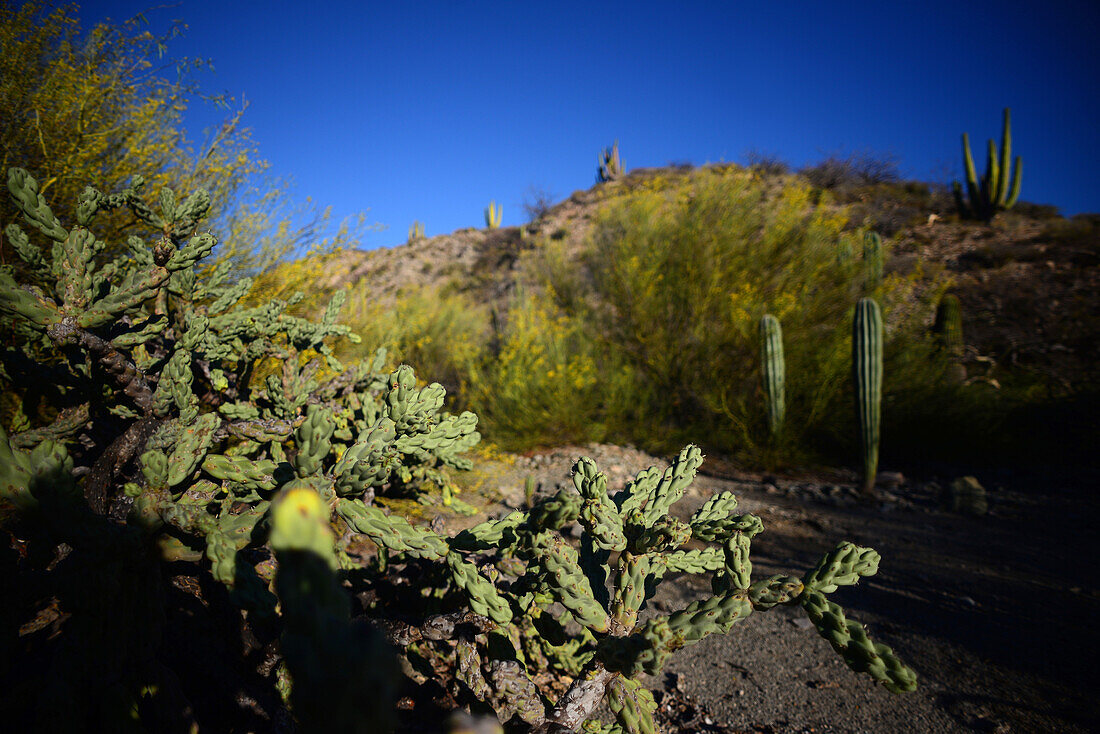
510, 571
183, 407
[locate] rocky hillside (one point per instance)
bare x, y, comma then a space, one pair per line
1028, 283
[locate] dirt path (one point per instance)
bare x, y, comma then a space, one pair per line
997, 614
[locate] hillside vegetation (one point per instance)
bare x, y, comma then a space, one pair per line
628, 313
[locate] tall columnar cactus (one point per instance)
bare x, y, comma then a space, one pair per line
873, 259
416, 231
609, 166
948, 324
774, 371
493, 215
867, 380
511, 571
1000, 186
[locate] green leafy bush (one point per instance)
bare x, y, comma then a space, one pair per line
673, 286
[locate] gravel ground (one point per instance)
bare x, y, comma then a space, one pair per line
996, 613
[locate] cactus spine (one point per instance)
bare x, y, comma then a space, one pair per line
774, 371
873, 259
610, 167
1000, 186
493, 214
867, 378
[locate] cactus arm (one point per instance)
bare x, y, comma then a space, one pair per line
392, 531
850, 641
632, 704
1014, 191
991, 183
1006, 159
675, 479
971, 175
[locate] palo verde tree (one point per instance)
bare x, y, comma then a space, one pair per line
106, 104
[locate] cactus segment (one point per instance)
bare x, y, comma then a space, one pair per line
632, 705
843, 566
850, 640
867, 378
773, 369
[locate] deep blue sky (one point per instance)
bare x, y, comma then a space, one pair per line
427, 110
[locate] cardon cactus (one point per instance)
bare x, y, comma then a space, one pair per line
867, 381
1000, 186
493, 215
185, 409
512, 572
609, 166
773, 369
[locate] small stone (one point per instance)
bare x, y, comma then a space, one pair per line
802, 623
967, 496
771, 489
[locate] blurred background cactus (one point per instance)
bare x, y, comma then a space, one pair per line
873, 260
609, 166
999, 187
774, 372
867, 380
948, 324
416, 231
493, 215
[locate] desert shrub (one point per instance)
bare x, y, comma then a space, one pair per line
542, 384
537, 202
1036, 211
673, 285
767, 164
1082, 230
434, 330
855, 169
